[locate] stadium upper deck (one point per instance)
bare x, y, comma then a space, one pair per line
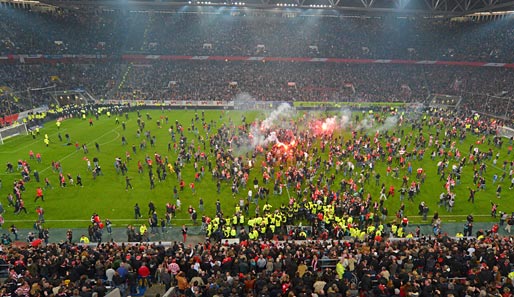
217, 31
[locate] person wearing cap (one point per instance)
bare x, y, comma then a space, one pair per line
173, 269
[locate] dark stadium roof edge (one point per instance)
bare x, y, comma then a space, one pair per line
441, 8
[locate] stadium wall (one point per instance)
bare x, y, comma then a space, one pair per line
39, 58
9, 119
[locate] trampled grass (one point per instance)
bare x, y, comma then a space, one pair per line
72, 206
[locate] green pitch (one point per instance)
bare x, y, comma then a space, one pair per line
72, 206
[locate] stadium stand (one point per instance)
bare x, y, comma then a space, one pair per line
344, 37
71, 33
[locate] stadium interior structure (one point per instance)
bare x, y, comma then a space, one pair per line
440, 54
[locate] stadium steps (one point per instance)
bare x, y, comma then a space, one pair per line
125, 69
152, 291
89, 97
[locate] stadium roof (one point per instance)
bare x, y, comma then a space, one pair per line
407, 7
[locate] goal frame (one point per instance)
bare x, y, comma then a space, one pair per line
21, 128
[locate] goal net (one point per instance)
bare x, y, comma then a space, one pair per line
506, 132
13, 130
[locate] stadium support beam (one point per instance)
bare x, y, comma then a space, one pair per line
472, 6
334, 3
489, 3
469, 5
457, 6
435, 4
465, 5
366, 3
492, 5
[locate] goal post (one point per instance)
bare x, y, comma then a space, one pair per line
13, 130
506, 132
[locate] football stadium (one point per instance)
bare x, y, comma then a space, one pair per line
260, 148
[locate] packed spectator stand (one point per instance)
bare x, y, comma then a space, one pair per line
426, 266
110, 34
268, 81
115, 32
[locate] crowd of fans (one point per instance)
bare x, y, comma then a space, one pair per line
27, 86
35, 84
59, 32
31, 81
225, 33
273, 81
428, 266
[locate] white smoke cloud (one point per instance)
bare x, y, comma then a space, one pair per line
272, 137
345, 118
366, 123
331, 122
243, 101
389, 123
278, 117
369, 123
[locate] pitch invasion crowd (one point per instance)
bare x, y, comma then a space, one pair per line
335, 210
